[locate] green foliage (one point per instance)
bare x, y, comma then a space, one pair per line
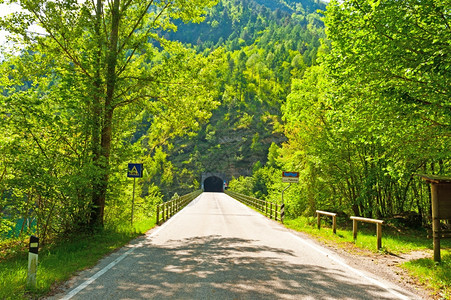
262, 53
361, 123
60, 260
70, 100
432, 275
242, 185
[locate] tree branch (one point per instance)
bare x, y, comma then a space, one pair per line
132, 31
122, 69
65, 50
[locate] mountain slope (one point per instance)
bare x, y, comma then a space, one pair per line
266, 43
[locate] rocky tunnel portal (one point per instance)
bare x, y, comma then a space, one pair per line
213, 184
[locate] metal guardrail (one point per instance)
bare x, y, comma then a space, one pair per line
167, 209
269, 209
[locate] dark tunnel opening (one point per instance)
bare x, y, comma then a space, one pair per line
213, 184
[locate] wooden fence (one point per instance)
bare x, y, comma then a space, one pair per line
270, 209
167, 209
366, 220
354, 225
326, 213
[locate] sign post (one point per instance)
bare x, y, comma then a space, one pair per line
32, 261
134, 171
289, 177
441, 208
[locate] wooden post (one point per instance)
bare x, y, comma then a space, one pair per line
354, 229
334, 224
266, 208
379, 235
318, 220
270, 210
435, 222
158, 214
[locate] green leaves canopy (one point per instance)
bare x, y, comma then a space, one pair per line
96, 68
400, 48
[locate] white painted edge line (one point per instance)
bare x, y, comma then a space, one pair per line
346, 266
90, 280
335, 259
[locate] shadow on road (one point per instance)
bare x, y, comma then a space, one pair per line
215, 267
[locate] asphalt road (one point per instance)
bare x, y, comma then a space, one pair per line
217, 248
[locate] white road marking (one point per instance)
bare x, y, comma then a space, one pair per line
82, 286
341, 263
318, 249
345, 265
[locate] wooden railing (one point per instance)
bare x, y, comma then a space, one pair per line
167, 209
326, 213
270, 209
366, 220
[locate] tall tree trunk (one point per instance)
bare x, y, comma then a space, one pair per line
101, 186
96, 113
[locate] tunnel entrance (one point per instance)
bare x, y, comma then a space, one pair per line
213, 184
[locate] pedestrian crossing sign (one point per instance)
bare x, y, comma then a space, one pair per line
135, 170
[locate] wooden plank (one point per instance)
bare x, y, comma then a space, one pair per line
435, 178
367, 220
444, 200
326, 213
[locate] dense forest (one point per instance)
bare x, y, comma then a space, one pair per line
355, 96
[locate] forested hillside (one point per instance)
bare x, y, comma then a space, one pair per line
356, 97
264, 47
373, 113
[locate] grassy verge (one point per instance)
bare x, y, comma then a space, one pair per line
60, 260
435, 276
425, 271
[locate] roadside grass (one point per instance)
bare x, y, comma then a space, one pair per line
395, 241
60, 260
436, 276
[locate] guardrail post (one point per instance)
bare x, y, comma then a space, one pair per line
282, 212
158, 214
166, 211
354, 229
172, 208
379, 235
318, 220
334, 224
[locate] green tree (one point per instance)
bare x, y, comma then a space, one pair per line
104, 57
400, 49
